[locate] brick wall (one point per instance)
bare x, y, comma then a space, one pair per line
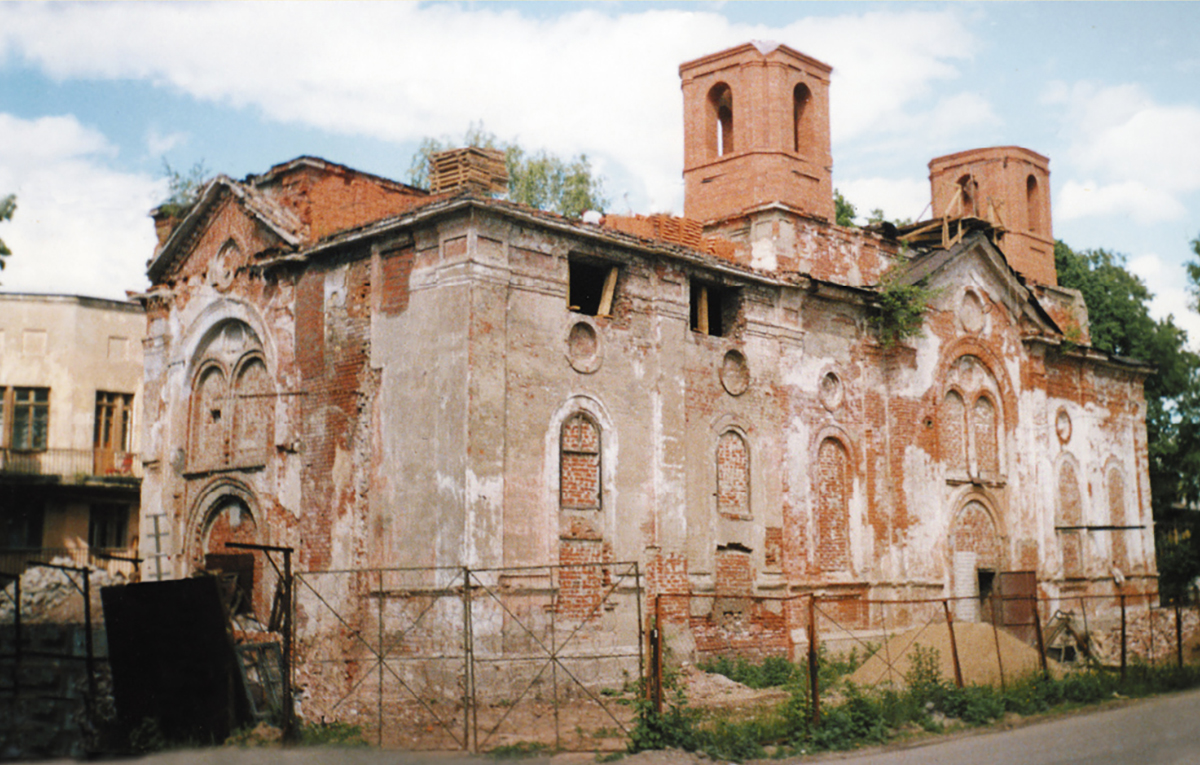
580, 465
733, 475
831, 499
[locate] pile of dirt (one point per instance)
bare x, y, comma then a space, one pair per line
977, 655
709, 689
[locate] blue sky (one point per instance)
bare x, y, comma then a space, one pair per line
94, 97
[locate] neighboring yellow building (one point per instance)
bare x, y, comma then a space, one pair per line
70, 470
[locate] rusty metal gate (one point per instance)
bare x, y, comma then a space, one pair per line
472, 659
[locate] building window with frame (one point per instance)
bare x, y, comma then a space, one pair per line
30, 418
108, 526
112, 436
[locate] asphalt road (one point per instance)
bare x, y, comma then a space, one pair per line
1159, 731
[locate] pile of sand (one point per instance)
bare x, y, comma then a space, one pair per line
976, 655
709, 689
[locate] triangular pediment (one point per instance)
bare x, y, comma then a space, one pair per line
938, 269
223, 207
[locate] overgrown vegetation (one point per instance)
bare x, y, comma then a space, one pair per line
900, 307
852, 716
333, 733
183, 188
539, 179
8, 206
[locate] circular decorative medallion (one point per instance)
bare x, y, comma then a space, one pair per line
970, 312
735, 373
1062, 426
830, 391
583, 348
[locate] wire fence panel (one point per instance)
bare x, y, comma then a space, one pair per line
460, 659
384, 649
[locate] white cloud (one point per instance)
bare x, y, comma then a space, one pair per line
898, 198
80, 227
158, 144
1131, 199
584, 81
1143, 156
1171, 295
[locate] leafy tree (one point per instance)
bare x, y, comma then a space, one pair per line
1118, 310
844, 211
8, 206
183, 188
541, 179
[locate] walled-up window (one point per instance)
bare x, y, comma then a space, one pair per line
733, 475
591, 287
802, 122
954, 431
1067, 520
1116, 517
252, 403
1033, 205
833, 506
233, 399
971, 422
31, 418
984, 423
720, 110
579, 480
208, 417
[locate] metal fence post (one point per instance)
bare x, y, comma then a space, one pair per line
996, 635
468, 661
1178, 636
1123, 643
1037, 629
813, 682
958, 680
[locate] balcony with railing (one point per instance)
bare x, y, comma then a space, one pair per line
114, 561
72, 465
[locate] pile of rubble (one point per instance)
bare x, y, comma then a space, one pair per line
53, 596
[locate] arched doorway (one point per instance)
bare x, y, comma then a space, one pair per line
974, 559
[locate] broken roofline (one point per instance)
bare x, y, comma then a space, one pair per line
438, 207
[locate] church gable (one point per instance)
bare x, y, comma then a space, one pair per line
226, 240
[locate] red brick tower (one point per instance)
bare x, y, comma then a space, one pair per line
1008, 186
756, 132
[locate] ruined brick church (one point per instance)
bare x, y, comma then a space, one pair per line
380, 376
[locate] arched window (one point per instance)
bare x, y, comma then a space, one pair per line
579, 479
230, 420
971, 423
252, 401
954, 432
966, 197
208, 420
1116, 517
733, 475
833, 506
984, 423
801, 123
1067, 519
1033, 205
720, 122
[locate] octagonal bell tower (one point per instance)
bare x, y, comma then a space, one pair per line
756, 133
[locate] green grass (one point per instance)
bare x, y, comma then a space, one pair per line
852, 716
